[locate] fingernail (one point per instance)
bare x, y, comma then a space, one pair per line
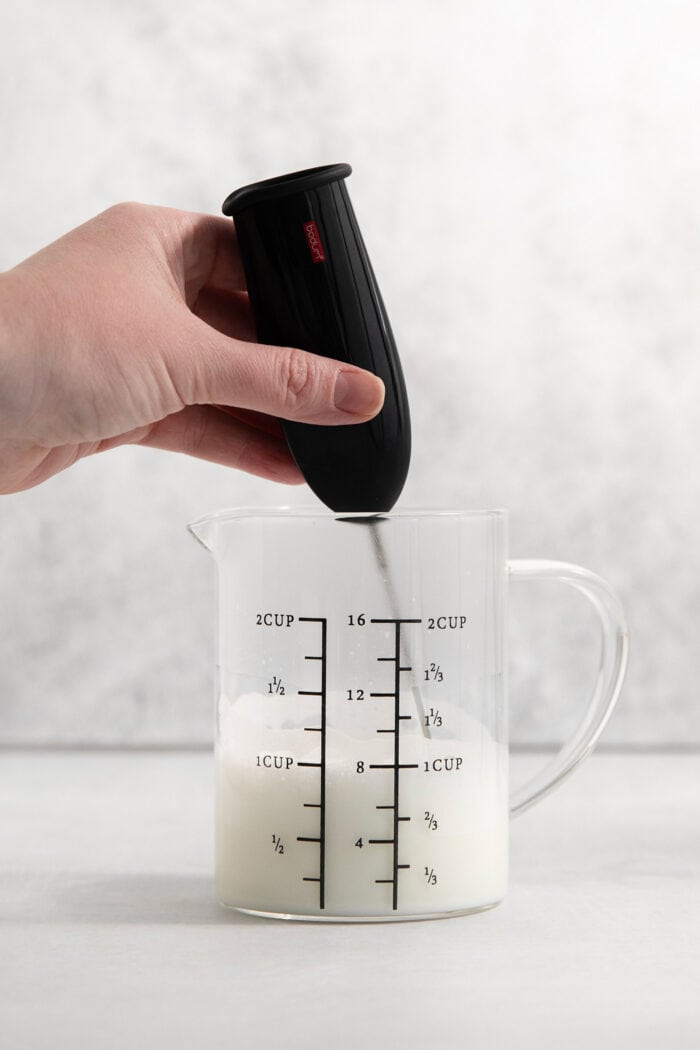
358, 393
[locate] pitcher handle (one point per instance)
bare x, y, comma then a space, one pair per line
611, 673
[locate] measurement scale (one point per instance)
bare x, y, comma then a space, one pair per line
396, 765
362, 799
321, 805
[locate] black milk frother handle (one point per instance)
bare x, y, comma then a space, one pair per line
311, 285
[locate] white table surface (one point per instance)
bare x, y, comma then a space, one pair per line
110, 935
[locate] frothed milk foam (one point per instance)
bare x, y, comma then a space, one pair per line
452, 850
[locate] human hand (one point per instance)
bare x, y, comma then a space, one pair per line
135, 328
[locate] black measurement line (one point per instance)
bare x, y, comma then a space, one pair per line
396, 765
380, 842
322, 902
397, 686
389, 765
397, 622
321, 805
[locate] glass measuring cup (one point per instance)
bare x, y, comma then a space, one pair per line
361, 741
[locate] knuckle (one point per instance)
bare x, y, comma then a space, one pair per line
126, 215
300, 378
125, 210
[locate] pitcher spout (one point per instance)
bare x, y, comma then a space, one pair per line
214, 531
204, 531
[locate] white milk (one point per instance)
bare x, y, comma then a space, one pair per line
455, 843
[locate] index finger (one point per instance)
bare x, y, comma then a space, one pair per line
210, 257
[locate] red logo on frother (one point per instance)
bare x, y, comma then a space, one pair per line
314, 241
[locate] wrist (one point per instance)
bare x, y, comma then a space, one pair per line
20, 309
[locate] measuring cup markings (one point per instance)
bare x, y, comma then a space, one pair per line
396, 765
423, 817
321, 805
285, 759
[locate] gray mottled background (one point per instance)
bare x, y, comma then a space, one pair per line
527, 176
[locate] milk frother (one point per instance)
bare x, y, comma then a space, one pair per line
311, 285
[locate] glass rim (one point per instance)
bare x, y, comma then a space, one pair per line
317, 514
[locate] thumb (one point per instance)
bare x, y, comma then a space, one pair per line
211, 368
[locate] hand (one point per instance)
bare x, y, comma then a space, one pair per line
135, 328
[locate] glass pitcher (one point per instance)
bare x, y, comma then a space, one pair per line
361, 736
